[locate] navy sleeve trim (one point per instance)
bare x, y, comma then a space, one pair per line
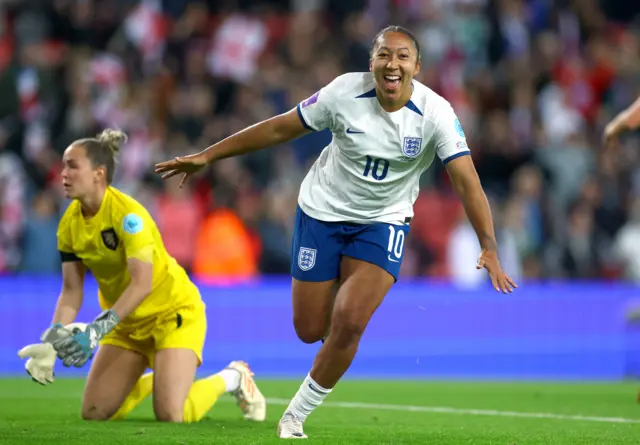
304, 122
66, 257
456, 156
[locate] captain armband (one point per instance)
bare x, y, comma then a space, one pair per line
66, 257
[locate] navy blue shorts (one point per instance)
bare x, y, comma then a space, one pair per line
318, 246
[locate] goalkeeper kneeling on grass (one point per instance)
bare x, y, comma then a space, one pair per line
153, 315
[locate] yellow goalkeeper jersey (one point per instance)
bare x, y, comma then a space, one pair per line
123, 229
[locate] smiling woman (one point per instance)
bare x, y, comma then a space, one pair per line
395, 61
356, 202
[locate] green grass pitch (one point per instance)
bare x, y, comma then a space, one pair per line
357, 412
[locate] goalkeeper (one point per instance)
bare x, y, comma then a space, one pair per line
153, 315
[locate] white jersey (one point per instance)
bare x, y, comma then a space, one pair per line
370, 171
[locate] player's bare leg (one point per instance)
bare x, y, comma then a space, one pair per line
365, 286
113, 374
174, 374
312, 307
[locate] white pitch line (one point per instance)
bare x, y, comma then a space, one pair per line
465, 411
385, 407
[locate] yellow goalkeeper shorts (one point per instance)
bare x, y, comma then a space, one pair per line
184, 327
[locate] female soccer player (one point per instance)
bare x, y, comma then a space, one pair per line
153, 314
356, 202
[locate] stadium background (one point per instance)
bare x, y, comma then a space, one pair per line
533, 81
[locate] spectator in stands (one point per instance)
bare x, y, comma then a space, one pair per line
40, 247
534, 83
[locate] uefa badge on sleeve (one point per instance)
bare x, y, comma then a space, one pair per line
459, 129
132, 224
310, 100
306, 258
412, 147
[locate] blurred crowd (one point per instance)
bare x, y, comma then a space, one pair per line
534, 82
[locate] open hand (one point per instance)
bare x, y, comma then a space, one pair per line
610, 136
488, 259
187, 165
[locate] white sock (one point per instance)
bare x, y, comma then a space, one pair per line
309, 397
231, 378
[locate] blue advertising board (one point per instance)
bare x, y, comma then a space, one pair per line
422, 330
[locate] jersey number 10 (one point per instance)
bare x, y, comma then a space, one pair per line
396, 242
374, 169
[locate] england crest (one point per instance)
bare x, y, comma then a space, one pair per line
412, 147
306, 258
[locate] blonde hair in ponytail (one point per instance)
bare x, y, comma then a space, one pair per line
103, 149
112, 139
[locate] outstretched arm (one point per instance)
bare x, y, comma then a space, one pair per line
467, 184
276, 130
628, 119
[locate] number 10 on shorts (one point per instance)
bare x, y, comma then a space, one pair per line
396, 244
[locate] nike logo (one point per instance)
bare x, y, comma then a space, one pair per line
350, 131
392, 260
315, 389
